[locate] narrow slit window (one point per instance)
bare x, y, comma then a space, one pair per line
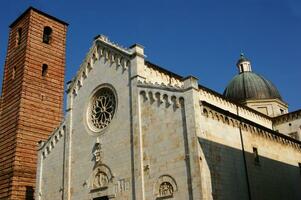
256, 156
19, 36
13, 73
44, 70
47, 34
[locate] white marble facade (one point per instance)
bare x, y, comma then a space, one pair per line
135, 131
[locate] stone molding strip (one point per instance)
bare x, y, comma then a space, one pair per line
226, 117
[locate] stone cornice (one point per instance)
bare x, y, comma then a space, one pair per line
226, 117
46, 146
287, 117
109, 52
104, 40
160, 86
160, 97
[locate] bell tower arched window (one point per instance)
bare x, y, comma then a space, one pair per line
47, 34
44, 70
19, 36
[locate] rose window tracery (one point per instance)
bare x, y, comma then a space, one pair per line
102, 108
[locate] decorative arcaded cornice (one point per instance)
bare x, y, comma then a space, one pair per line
213, 112
105, 51
155, 73
54, 138
287, 117
159, 97
105, 41
243, 110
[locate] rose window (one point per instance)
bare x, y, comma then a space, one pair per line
102, 108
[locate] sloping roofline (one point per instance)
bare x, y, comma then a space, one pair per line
38, 11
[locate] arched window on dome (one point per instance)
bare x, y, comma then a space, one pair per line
47, 34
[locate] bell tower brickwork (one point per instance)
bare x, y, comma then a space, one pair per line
32, 97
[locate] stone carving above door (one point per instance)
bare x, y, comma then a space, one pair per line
101, 177
100, 180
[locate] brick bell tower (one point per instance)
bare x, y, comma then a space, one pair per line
31, 105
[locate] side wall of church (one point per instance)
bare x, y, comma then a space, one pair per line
222, 164
227, 170
276, 174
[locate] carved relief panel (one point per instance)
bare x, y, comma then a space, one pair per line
165, 187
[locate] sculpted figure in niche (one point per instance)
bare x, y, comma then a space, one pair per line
165, 189
97, 153
100, 179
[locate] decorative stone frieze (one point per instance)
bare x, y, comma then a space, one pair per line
155, 76
146, 83
160, 97
104, 51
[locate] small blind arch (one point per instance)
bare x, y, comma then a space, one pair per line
47, 34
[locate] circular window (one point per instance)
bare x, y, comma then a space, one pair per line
102, 109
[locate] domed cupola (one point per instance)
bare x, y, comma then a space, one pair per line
254, 90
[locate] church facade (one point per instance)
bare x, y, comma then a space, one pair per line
133, 130
136, 131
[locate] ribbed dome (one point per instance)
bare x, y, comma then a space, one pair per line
250, 86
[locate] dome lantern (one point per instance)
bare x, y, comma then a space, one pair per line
244, 64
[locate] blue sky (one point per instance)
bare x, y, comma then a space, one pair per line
202, 38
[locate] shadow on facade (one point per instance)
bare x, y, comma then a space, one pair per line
268, 179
